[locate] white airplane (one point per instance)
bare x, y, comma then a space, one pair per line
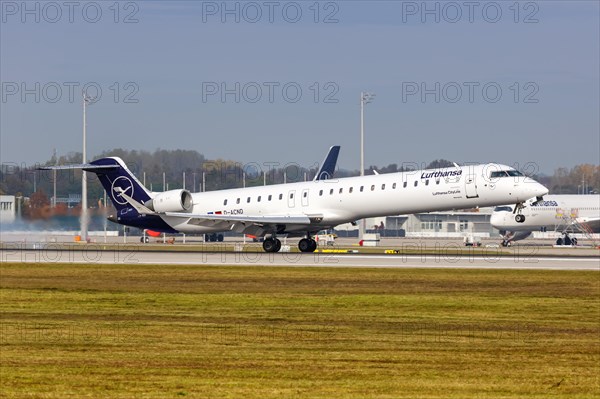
563, 212
301, 209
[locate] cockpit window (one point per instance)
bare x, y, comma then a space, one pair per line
503, 209
505, 173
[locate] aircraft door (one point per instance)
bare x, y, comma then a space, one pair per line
305, 197
292, 199
471, 186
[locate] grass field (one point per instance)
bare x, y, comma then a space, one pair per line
213, 332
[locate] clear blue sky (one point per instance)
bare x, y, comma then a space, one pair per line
178, 56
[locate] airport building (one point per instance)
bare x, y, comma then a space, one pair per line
449, 224
8, 210
431, 224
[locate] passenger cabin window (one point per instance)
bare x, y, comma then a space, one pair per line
248, 200
258, 199
280, 197
341, 190
305, 194
394, 186
237, 201
416, 182
320, 193
505, 173
270, 197
225, 202
291, 195
405, 184
362, 188
331, 192
383, 186
373, 187
427, 182
350, 190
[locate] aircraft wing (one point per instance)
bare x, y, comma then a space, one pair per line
243, 223
590, 224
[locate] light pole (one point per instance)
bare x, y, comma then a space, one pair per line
365, 98
84, 211
54, 181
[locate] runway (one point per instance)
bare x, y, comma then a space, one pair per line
133, 256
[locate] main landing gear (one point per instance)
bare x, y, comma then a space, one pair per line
307, 245
271, 244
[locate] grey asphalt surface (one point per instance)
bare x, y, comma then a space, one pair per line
134, 256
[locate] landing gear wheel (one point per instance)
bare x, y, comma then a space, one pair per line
307, 245
271, 245
520, 218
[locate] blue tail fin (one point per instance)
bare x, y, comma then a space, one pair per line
116, 179
328, 166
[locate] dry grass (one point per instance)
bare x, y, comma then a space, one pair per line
128, 331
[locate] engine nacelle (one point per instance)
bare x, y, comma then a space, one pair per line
171, 201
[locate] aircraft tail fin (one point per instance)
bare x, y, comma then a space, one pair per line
119, 183
327, 168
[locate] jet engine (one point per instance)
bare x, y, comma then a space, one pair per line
171, 201
510, 236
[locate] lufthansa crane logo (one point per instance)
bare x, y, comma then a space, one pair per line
324, 176
121, 185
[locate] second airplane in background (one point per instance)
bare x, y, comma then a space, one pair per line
564, 213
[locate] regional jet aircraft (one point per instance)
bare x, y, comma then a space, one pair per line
301, 209
566, 213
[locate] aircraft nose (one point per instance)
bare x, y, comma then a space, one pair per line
495, 219
539, 190
531, 188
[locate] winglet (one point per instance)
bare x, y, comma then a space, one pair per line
329, 163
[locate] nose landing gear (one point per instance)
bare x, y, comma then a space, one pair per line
519, 217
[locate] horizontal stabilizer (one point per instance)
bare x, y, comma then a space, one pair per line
88, 167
